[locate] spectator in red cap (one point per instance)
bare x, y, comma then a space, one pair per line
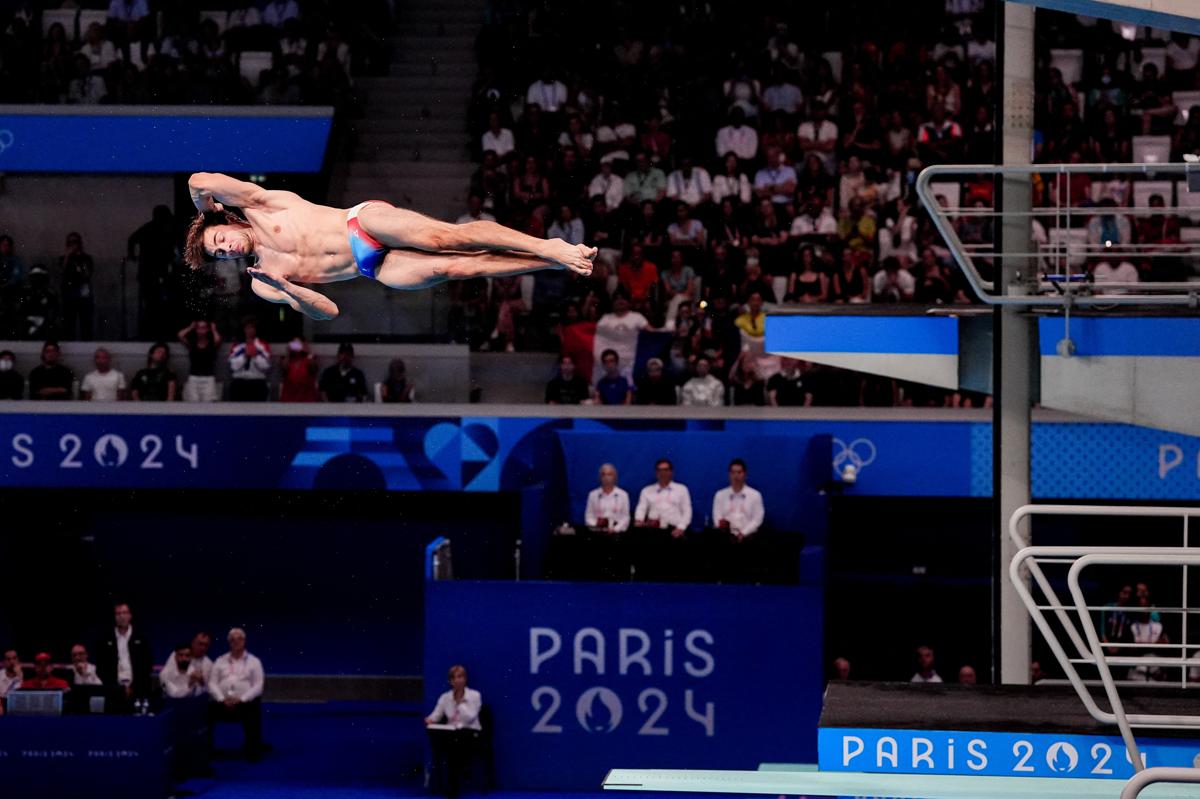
43, 678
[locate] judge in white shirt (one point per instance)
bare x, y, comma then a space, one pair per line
739, 508
664, 503
236, 686
608, 505
184, 674
82, 672
459, 707
457, 712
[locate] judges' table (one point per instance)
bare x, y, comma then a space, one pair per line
102, 757
646, 554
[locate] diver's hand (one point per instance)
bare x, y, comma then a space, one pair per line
281, 283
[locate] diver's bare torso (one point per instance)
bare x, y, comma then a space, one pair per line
301, 241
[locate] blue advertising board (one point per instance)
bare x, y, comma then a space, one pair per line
131, 139
116, 757
585, 677
510, 453
994, 754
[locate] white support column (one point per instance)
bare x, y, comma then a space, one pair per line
1014, 336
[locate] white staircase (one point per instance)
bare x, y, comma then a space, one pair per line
411, 149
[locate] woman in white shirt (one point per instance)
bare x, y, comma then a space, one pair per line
608, 505
458, 707
733, 182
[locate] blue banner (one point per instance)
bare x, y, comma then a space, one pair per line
1175, 337
467, 453
856, 333
136, 140
582, 678
116, 757
995, 754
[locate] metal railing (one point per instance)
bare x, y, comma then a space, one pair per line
1083, 647
1054, 270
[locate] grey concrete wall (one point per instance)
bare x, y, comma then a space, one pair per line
39, 210
440, 372
512, 377
1158, 392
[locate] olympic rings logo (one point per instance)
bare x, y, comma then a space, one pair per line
6, 140
859, 453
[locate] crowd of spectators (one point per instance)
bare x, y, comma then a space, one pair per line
125, 680
277, 52
1129, 626
926, 670
255, 374
723, 157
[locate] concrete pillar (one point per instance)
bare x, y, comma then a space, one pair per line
1014, 358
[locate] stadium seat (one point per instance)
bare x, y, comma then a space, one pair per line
135, 55
952, 191
1151, 149
1129, 32
63, 16
1188, 199
217, 16
88, 16
527, 285
1184, 102
1116, 189
779, 285
1063, 241
251, 64
834, 57
1143, 190
1069, 63
1156, 56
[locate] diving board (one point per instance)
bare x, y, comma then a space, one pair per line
1176, 15
904, 343
897, 786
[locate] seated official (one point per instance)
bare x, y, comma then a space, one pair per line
458, 707
664, 503
11, 675
182, 676
43, 677
453, 749
608, 506
739, 508
236, 686
83, 672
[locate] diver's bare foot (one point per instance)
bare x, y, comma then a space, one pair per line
576, 257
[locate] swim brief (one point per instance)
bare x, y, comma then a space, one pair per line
368, 251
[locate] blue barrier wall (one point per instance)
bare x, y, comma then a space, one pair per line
140, 140
474, 453
582, 678
116, 757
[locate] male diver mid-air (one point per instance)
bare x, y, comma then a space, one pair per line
294, 241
